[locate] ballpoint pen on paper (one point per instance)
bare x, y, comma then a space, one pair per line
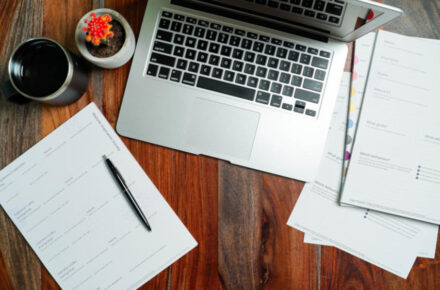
120, 180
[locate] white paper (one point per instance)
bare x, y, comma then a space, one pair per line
395, 166
65, 202
384, 240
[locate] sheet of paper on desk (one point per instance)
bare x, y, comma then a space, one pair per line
397, 142
386, 241
62, 198
362, 56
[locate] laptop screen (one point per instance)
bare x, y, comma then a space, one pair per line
329, 18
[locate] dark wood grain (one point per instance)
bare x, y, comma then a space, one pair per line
237, 215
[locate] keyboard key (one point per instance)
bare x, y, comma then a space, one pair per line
306, 96
167, 14
176, 26
305, 58
226, 88
226, 50
178, 51
261, 59
284, 65
262, 2
217, 73
214, 60
215, 26
300, 47
276, 101
334, 9
181, 64
310, 113
200, 32
273, 62
228, 29
296, 69
190, 54
287, 91
281, 52
296, 81
264, 85
191, 20
270, 49
214, 47
176, 75
188, 29
319, 62
333, 19
275, 88
308, 71
297, 10
164, 23
193, 67
293, 55
287, 107
179, 17
152, 70
258, 46
163, 59
211, 35
189, 79
285, 7
252, 35
178, 39
203, 23
229, 76
325, 54
272, 4
312, 50
226, 62
202, 44
321, 16
319, 5
164, 35
252, 82
190, 42
264, 38
309, 13
249, 69
298, 110
307, 3
164, 72
261, 72
162, 47
312, 85
285, 78
288, 44
234, 41
246, 44
240, 79
222, 37
319, 75
240, 32
237, 66
237, 53
276, 41
273, 75
202, 57
263, 97
249, 56
205, 70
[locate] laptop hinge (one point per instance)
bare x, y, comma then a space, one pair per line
251, 17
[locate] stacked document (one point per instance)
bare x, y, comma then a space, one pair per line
387, 158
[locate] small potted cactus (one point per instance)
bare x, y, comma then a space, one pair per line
105, 38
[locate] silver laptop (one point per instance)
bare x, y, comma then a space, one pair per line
253, 82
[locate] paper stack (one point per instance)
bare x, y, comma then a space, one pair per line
389, 241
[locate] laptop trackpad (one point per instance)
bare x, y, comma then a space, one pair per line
222, 129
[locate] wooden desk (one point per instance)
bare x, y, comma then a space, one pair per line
237, 215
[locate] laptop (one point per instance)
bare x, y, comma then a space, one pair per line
252, 82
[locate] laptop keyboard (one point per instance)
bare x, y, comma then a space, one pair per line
329, 11
239, 63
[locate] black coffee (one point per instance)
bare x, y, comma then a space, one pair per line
39, 68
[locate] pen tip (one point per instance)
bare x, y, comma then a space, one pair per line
104, 156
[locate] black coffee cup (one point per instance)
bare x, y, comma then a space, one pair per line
41, 70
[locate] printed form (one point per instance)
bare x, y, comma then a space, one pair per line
389, 242
395, 165
65, 202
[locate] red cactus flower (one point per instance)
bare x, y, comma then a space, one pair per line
98, 29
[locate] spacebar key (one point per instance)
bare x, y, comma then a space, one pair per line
226, 88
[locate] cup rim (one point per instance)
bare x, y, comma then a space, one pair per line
61, 89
